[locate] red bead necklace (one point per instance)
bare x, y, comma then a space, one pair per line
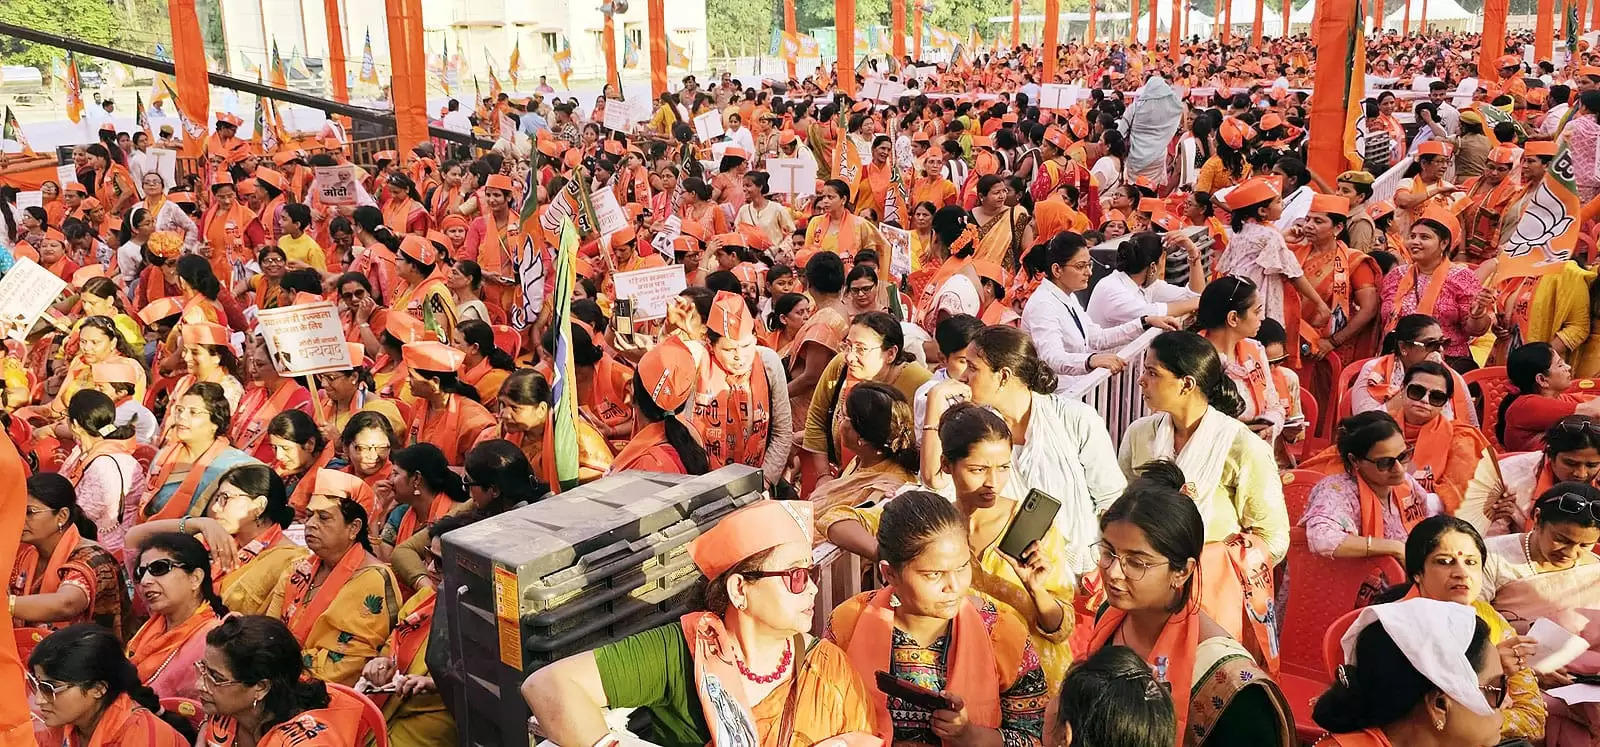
767, 679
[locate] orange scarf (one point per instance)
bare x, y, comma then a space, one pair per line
301, 613
48, 582
256, 409
1406, 505
733, 417
1408, 284
1172, 657
167, 460
448, 426
1514, 299
1363, 738
437, 510
971, 670
607, 399
644, 439
106, 447
123, 722
154, 646
409, 634
845, 245
301, 497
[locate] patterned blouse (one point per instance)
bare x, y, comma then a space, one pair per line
1461, 288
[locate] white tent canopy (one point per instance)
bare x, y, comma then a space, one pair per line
1445, 12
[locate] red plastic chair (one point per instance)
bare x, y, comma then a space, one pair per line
188, 709
1297, 484
26, 639
1341, 393
1493, 387
373, 725
1332, 642
1311, 443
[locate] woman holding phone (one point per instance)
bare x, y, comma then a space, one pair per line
976, 452
928, 629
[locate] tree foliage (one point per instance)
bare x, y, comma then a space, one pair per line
93, 21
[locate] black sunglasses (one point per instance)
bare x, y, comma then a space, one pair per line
157, 568
1433, 346
1389, 463
797, 578
1574, 505
1418, 392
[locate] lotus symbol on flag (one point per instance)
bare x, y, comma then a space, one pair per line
1544, 219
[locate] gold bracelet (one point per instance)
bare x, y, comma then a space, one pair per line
1369, 545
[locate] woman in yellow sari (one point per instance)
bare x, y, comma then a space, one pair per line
836, 229
976, 446
1004, 230
341, 602
415, 713
878, 431
243, 527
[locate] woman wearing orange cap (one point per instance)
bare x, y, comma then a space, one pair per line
209, 357
53, 255
1486, 207
61, 575
493, 238
159, 278
741, 406
341, 601
196, 453
447, 415
454, 228
1424, 185
223, 230
423, 292
662, 442
485, 366
1227, 166
1430, 284
929, 628
744, 663
269, 393
1257, 251
1348, 279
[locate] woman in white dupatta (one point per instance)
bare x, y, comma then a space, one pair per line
1231, 475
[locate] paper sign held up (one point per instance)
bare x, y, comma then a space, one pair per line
651, 289
879, 89
305, 339
618, 115
792, 176
1058, 97
336, 185
708, 126
608, 215
25, 292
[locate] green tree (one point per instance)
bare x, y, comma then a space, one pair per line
91, 21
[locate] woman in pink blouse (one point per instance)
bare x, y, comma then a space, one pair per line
1370, 507
107, 478
1430, 284
1582, 137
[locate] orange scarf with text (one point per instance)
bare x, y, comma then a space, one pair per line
1408, 286
1172, 658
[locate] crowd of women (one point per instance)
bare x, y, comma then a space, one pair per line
214, 552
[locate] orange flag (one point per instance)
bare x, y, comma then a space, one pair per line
1052, 31
658, 45
1493, 44
192, 98
336, 71
844, 39
408, 72
74, 90
1339, 33
1547, 234
1544, 31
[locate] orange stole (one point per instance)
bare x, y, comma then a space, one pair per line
732, 418
153, 647
48, 582
1172, 657
1408, 283
167, 459
123, 722
300, 613
1237, 594
972, 671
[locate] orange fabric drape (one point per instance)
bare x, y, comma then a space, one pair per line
1088, 33
916, 21
1544, 30
844, 39
1052, 31
1227, 20
336, 71
658, 44
1405, 19
1594, 16
1150, 40
1255, 26
1335, 22
897, 19
1016, 23
1284, 29
1422, 23
16, 728
1377, 16
1175, 30
608, 38
1493, 43
790, 28
189, 68
408, 81
1133, 21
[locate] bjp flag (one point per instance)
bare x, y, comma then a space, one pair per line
74, 90
1547, 234
12, 130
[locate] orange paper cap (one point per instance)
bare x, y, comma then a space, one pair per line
747, 273
730, 317
274, 178
1505, 155
1539, 148
383, 155
1251, 192
731, 239
1152, 205
404, 327
205, 333
1434, 148
990, 270
228, 119
87, 273
453, 220
1446, 219
694, 229
419, 249
432, 356
159, 309
334, 485
74, 187
1509, 60
755, 528
1330, 204
116, 371
621, 237
668, 374
1234, 132
500, 182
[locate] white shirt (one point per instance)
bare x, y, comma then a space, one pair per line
1449, 118
919, 401
457, 121
1552, 118
130, 262
741, 137
1295, 207
144, 421
1066, 335
956, 170
1068, 454
1032, 90
1117, 299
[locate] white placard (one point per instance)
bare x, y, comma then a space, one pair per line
879, 89
792, 176
670, 228
651, 289
618, 115
708, 126
720, 149
306, 339
64, 174
1558, 646
336, 185
1057, 96
608, 215
899, 241
25, 292
27, 200
924, 72
166, 165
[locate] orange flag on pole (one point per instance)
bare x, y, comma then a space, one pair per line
336, 62
74, 90
1339, 33
408, 72
1493, 43
658, 45
191, 96
844, 39
1547, 234
1544, 31
1052, 31
1255, 26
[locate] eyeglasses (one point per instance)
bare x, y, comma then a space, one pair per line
1434, 345
1387, 464
862, 290
227, 495
209, 678
1575, 505
370, 449
1418, 392
858, 348
47, 689
798, 578
157, 568
1081, 266
197, 412
1495, 692
1134, 568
